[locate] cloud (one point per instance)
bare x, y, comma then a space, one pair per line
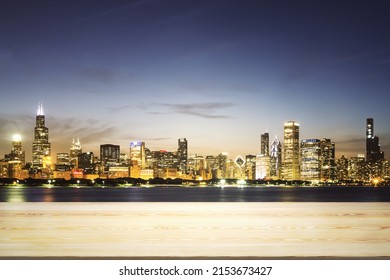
119, 109
203, 110
95, 73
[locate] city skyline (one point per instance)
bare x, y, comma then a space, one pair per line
218, 73
291, 135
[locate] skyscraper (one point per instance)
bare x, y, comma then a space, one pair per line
291, 151
137, 153
373, 152
276, 159
41, 145
109, 154
75, 150
310, 159
327, 158
264, 144
17, 154
182, 154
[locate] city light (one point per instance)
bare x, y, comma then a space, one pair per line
307, 162
16, 138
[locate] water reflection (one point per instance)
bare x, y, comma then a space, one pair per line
193, 194
15, 195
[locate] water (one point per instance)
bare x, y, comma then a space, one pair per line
194, 194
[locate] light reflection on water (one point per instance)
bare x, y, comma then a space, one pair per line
193, 194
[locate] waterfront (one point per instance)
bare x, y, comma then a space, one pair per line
194, 194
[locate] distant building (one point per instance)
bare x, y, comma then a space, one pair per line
342, 168
17, 153
276, 159
75, 150
41, 144
86, 162
373, 151
109, 154
310, 159
264, 144
63, 158
263, 167
182, 154
291, 151
137, 153
357, 169
250, 167
327, 160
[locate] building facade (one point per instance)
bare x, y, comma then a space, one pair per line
310, 160
264, 144
41, 144
276, 159
291, 151
182, 154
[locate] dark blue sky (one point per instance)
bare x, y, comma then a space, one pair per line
219, 73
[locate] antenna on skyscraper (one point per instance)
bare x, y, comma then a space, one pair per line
40, 109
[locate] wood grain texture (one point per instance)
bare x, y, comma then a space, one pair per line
195, 229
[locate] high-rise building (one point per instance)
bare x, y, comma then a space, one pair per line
276, 159
264, 144
63, 158
342, 168
373, 152
263, 166
137, 153
182, 154
109, 154
75, 150
86, 162
250, 167
17, 154
41, 145
291, 151
310, 159
327, 158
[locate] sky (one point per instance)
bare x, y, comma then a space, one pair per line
219, 73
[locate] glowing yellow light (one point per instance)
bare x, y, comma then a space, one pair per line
16, 138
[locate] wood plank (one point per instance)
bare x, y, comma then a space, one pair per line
195, 229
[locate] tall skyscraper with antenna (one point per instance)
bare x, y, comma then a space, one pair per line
41, 145
75, 151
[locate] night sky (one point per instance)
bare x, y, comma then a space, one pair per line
218, 73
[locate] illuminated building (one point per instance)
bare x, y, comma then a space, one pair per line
41, 145
276, 159
327, 158
342, 168
86, 162
62, 162
63, 158
221, 162
250, 167
163, 159
357, 169
17, 154
291, 151
373, 152
196, 166
264, 144
310, 159
137, 153
182, 154
75, 150
376, 164
263, 167
109, 154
